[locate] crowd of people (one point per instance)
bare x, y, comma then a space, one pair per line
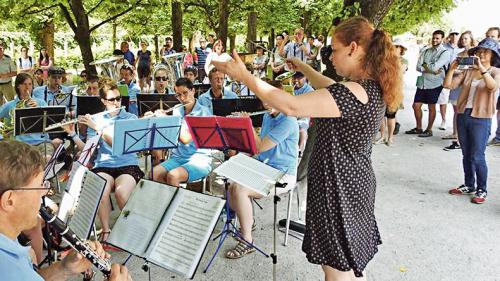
326, 125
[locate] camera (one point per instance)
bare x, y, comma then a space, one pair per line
466, 62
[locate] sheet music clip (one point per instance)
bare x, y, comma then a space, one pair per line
89, 150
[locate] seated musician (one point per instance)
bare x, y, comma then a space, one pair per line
300, 86
90, 88
24, 86
278, 148
186, 163
21, 191
54, 86
191, 73
217, 90
161, 81
127, 78
121, 172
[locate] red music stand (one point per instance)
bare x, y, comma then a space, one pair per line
223, 133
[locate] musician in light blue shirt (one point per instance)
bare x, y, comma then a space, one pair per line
121, 172
49, 93
300, 86
217, 90
187, 162
127, 78
278, 147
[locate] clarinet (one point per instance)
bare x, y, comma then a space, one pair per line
76, 243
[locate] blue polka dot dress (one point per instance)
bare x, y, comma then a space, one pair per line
341, 230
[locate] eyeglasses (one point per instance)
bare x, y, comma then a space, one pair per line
83, 75
44, 186
118, 98
161, 78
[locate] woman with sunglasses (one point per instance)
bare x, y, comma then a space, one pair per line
161, 81
121, 172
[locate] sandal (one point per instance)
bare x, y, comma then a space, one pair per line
414, 131
426, 134
239, 251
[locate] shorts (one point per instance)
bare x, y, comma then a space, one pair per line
444, 96
197, 167
454, 94
143, 71
303, 123
132, 170
390, 115
428, 96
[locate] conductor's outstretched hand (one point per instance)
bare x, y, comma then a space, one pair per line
295, 64
235, 68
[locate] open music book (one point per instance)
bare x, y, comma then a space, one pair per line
81, 199
167, 226
251, 173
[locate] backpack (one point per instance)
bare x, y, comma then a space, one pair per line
31, 61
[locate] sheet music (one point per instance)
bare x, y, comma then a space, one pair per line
184, 232
138, 221
83, 219
89, 149
72, 191
251, 173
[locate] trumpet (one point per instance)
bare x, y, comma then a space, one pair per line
238, 114
75, 120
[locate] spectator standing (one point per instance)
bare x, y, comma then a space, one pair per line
44, 62
201, 57
7, 71
144, 66
127, 54
259, 63
277, 61
25, 63
296, 49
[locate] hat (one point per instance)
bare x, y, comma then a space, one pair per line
453, 32
298, 75
54, 70
399, 42
489, 44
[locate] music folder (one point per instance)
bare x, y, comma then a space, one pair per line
152, 102
250, 173
222, 133
166, 225
224, 107
64, 99
137, 135
31, 120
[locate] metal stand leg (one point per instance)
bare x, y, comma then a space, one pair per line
288, 212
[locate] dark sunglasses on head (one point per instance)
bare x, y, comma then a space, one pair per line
161, 78
118, 98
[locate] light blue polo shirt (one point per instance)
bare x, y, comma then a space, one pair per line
39, 93
304, 121
284, 132
15, 262
206, 98
186, 151
105, 157
32, 139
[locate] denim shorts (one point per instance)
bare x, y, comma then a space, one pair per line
427, 96
196, 166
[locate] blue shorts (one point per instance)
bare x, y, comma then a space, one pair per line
197, 166
428, 96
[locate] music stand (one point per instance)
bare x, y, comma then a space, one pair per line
152, 102
88, 105
224, 107
136, 135
224, 133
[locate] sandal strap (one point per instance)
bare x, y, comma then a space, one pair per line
241, 249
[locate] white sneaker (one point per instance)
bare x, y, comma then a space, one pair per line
443, 125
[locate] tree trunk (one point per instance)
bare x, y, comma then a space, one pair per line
223, 21
375, 10
177, 25
82, 35
232, 42
47, 38
306, 19
114, 35
157, 47
251, 31
272, 38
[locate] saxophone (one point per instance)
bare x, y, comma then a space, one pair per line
7, 126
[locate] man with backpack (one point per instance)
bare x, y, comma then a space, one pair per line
431, 63
25, 62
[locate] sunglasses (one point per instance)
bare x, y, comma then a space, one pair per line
44, 186
118, 98
161, 78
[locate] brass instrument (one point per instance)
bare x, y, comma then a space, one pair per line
108, 66
7, 126
175, 67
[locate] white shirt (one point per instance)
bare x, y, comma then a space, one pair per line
25, 63
472, 93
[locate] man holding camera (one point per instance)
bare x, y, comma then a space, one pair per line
431, 64
296, 49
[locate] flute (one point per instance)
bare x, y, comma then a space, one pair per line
238, 114
75, 242
75, 120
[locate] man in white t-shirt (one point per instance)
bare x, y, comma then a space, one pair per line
25, 63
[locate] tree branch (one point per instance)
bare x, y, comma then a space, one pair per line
67, 16
27, 10
114, 17
95, 7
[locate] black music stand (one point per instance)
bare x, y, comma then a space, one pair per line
224, 107
136, 135
200, 89
224, 133
152, 102
88, 105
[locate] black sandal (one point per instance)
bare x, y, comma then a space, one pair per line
414, 131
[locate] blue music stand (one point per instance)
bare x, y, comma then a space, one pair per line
136, 135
